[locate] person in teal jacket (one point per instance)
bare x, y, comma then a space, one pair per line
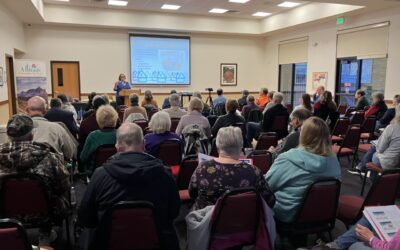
294, 171
106, 118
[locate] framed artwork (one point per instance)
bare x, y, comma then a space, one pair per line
1, 76
319, 78
228, 74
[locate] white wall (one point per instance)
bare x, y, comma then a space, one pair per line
104, 53
11, 37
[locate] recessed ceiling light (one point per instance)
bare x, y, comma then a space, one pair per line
217, 10
260, 13
117, 2
170, 7
288, 4
239, 1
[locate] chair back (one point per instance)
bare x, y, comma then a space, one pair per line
352, 138
333, 117
188, 166
133, 226
349, 110
358, 118
342, 109
24, 196
142, 123
262, 159
341, 126
384, 189
174, 124
280, 126
103, 153
289, 108
266, 140
255, 115
170, 152
368, 125
242, 127
13, 235
121, 113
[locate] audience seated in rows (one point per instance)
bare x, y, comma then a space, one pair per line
305, 102
175, 111
206, 108
166, 103
106, 118
57, 114
194, 117
294, 171
297, 118
230, 119
378, 105
134, 112
389, 114
250, 106
254, 129
271, 103
361, 100
326, 106
361, 237
130, 175
212, 178
160, 125
21, 155
243, 100
263, 99
148, 100
318, 93
386, 153
220, 98
67, 105
48, 132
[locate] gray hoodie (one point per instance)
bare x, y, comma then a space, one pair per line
388, 147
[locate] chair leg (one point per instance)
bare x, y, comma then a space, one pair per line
364, 182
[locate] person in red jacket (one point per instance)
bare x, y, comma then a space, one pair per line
378, 105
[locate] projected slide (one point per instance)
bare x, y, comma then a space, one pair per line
160, 60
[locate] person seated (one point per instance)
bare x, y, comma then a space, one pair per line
57, 114
326, 106
361, 100
22, 155
213, 178
389, 114
230, 119
250, 106
386, 153
243, 100
220, 98
255, 128
263, 99
48, 132
270, 104
67, 105
305, 103
297, 118
318, 93
378, 105
361, 237
294, 171
206, 108
93, 110
139, 112
166, 103
130, 175
148, 100
106, 118
175, 111
160, 125
89, 105
194, 117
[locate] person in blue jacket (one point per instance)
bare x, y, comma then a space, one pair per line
294, 171
120, 85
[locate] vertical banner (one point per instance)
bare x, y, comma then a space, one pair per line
31, 80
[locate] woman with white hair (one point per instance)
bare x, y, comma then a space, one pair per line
160, 125
212, 178
378, 105
194, 117
175, 111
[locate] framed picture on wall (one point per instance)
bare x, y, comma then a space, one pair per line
319, 78
1, 76
228, 74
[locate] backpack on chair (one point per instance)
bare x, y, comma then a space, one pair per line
196, 140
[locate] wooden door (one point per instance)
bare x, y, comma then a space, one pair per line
12, 105
65, 79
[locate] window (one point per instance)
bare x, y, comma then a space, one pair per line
292, 82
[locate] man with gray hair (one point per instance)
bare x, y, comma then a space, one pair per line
130, 175
175, 111
51, 133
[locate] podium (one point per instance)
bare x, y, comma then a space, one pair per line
127, 92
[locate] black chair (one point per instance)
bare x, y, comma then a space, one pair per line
255, 115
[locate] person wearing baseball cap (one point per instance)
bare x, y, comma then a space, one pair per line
22, 155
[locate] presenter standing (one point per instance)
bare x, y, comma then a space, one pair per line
120, 85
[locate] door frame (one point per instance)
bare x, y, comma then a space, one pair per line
52, 76
339, 75
11, 85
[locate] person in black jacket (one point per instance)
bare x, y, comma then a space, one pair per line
57, 114
130, 175
362, 101
230, 119
389, 114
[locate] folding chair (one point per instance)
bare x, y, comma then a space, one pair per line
349, 110
349, 145
103, 153
174, 124
170, 152
280, 126
143, 124
262, 159
266, 140
188, 166
342, 109
340, 130
358, 118
368, 128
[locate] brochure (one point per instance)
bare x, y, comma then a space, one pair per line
384, 219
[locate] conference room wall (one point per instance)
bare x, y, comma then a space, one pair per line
322, 44
104, 53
